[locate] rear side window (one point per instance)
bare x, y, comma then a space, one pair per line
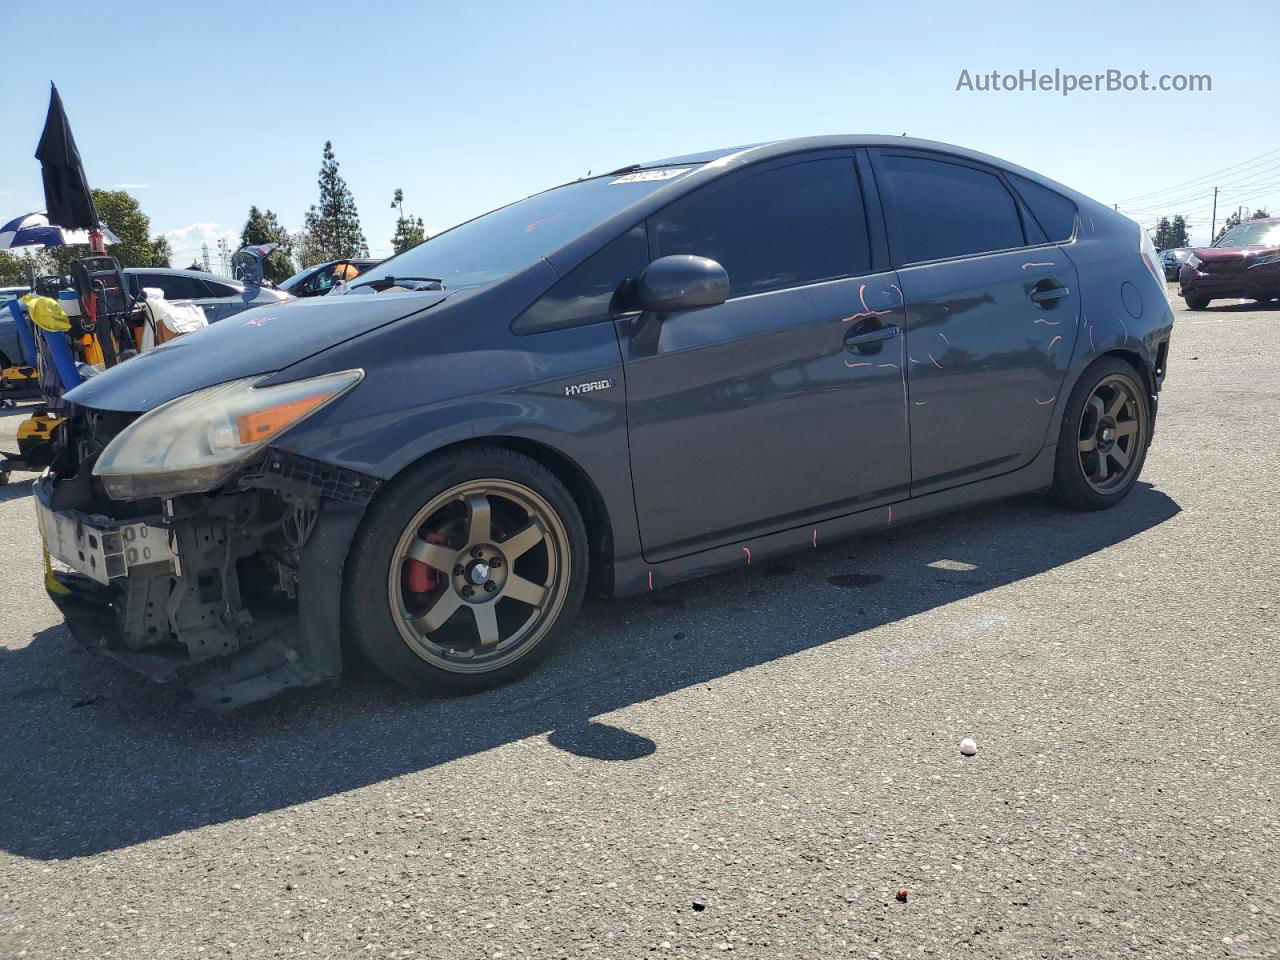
174, 286
949, 210
221, 289
590, 291
1057, 214
803, 223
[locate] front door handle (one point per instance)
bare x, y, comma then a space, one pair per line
857, 340
1049, 294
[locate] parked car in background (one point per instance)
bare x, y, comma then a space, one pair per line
1245, 263
9, 350
1172, 261
680, 367
318, 280
220, 297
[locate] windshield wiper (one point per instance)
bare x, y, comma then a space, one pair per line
385, 283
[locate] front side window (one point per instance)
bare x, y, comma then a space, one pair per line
592, 290
949, 210
793, 225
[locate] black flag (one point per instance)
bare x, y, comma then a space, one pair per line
66, 191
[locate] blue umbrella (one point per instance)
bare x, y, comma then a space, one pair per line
34, 230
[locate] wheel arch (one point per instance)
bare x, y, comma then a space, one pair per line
585, 493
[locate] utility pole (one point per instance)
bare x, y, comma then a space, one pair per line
204, 257
1213, 227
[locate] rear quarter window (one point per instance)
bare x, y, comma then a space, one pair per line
1056, 214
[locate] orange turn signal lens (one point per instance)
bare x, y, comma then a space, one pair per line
261, 424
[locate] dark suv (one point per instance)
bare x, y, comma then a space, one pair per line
1244, 263
629, 380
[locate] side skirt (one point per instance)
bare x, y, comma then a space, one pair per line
633, 575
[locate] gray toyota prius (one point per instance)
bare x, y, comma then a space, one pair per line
676, 368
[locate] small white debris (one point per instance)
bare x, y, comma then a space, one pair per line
968, 746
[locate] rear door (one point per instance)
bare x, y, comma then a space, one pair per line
991, 316
785, 404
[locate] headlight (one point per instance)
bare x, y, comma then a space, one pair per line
1193, 261
195, 442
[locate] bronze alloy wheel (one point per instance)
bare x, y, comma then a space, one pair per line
479, 575
1112, 433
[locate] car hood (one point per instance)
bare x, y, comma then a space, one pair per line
258, 341
1225, 254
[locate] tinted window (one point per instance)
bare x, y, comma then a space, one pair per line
949, 210
1055, 212
221, 289
174, 286
797, 224
590, 291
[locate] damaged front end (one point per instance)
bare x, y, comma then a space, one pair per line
233, 593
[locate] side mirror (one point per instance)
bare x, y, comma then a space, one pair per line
681, 282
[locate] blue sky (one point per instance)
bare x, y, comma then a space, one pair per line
206, 109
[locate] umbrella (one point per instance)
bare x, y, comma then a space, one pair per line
34, 230
66, 191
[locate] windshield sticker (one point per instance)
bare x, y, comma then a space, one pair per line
645, 176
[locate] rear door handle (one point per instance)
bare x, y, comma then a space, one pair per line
855, 340
1050, 295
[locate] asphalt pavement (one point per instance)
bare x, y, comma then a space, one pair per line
756, 763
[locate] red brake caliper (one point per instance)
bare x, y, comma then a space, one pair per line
420, 578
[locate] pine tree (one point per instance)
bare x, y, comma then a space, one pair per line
409, 230
263, 227
333, 228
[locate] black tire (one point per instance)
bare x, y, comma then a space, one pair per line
1196, 303
373, 593
1082, 480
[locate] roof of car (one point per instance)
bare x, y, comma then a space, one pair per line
730, 157
175, 272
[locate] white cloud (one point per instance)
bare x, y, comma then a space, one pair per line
187, 242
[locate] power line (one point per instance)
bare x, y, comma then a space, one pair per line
1257, 181
1207, 176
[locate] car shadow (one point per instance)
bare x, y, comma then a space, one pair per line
95, 758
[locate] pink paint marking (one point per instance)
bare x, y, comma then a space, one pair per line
869, 313
1052, 342
848, 364
815, 538
891, 514
935, 362
258, 321
650, 579
1047, 323
891, 366
921, 403
1045, 403
903, 299
862, 290
913, 359
1126, 331
748, 552
944, 338
1091, 343
1037, 264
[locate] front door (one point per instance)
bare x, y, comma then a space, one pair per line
784, 405
991, 318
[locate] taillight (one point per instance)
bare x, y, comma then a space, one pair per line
1152, 259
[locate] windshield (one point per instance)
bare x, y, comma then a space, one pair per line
1251, 235
296, 278
506, 240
